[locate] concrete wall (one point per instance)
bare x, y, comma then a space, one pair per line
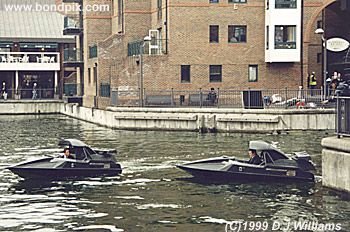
30, 107
336, 163
205, 120
187, 119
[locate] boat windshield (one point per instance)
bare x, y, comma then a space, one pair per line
270, 156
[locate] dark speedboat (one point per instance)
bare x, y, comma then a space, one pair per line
275, 166
87, 162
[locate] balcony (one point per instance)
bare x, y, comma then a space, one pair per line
29, 61
153, 47
71, 26
72, 58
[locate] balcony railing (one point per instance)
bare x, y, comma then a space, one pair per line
286, 4
29, 61
71, 26
29, 93
285, 45
154, 47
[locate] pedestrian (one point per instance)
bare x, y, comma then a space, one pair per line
4, 91
212, 96
34, 92
312, 83
334, 82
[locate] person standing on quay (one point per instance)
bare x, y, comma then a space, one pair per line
34, 92
312, 83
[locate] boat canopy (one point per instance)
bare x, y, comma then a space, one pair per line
72, 143
267, 148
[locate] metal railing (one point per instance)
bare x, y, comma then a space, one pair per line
154, 47
343, 116
285, 45
224, 98
286, 4
29, 93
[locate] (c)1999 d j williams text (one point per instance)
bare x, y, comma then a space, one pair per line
299, 225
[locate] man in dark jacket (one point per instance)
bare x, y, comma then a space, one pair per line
254, 158
67, 154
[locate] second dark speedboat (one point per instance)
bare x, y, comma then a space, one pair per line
88, 162
275, 166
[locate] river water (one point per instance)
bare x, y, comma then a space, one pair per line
152, 194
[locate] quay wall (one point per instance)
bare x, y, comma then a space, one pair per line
185, 119
13, 107
336, 163
205, 119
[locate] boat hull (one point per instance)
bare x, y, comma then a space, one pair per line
47, 173
229, 176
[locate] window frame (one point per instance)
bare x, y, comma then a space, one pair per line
89, 76
215, 76
237, 1
185, 78
233, 31
93, 51
256, 67
267, 37
284, 43
211, 39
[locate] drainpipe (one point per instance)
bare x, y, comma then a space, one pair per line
302, 45
166, 26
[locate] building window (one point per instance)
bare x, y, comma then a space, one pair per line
267, 37
159, 9
105, 90
253, 73
213, 1
319, 58
92, 51
285, 37
237, 34
267, 4
214, 34
319, 24
286, 4
185, 73
237, 1
89, 75
95, 75
215, 73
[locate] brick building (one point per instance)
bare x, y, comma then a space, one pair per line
192, 44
